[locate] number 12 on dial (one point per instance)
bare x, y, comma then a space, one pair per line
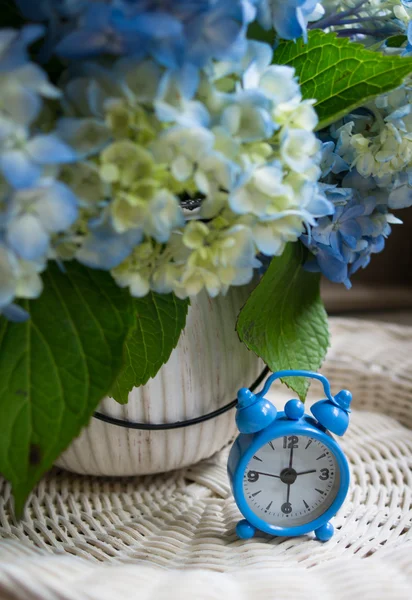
288, 474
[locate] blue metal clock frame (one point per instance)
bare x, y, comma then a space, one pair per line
259, 423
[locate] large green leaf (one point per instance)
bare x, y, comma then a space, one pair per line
284, 321
56, 367
339, 74
159, 323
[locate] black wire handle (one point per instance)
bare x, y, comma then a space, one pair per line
178, 424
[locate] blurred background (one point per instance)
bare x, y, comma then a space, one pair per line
384, 289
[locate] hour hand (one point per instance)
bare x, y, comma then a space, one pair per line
306, 472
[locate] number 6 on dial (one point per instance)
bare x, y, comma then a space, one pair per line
288, 474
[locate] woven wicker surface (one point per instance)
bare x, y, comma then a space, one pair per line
173, 535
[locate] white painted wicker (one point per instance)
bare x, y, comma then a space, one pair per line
172, 536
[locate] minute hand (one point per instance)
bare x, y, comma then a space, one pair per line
306, 472
268, 474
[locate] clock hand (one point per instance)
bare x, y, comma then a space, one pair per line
306, 472
287, 504
268, 474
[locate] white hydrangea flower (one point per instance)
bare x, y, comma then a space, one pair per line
214, 259
238, 144
163, 216
299, 149
247, 118
18, 278
8, 276
138, 283
380, 145
21, 92
277, 82
297, 115
261, 192
183, 148
271, 237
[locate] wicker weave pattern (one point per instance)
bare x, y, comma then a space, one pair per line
184, 522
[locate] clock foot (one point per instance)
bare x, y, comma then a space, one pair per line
245, 530
324, 533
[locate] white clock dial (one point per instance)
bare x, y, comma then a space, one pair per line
291, 481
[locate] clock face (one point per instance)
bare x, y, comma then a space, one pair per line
291, 481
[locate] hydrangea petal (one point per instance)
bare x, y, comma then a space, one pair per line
216, 29
15, 313
13, 45
29, 283
104, 248
81, 44
49, 149
35, 11
161, 24
400, 197
85, 136
31, 76
138, 285
27, 237
8, 267
22, 105
56, 207
18, 169
141, 78
266, 242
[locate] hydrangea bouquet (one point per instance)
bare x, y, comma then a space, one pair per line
153, 149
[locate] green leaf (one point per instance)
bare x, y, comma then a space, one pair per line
396, 41
160, 320
341, 75
284, 321
56, 367
256, 32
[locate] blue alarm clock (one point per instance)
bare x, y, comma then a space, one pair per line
288, 474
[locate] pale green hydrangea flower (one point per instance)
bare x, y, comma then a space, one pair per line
241, 147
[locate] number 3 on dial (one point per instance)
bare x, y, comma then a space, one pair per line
324, 474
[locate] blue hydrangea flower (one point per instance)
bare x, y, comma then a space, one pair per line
23, 84
326, 261
331, 161
343, 242
288, 17
373, 246
173, 33
35, 214
104, 247
22, 159
342, 231
14, 312
44, 10
13, 46
98, 33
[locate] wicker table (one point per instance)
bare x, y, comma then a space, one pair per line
172, 536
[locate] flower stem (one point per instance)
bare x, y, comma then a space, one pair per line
334, 20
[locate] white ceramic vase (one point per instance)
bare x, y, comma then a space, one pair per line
203, 374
